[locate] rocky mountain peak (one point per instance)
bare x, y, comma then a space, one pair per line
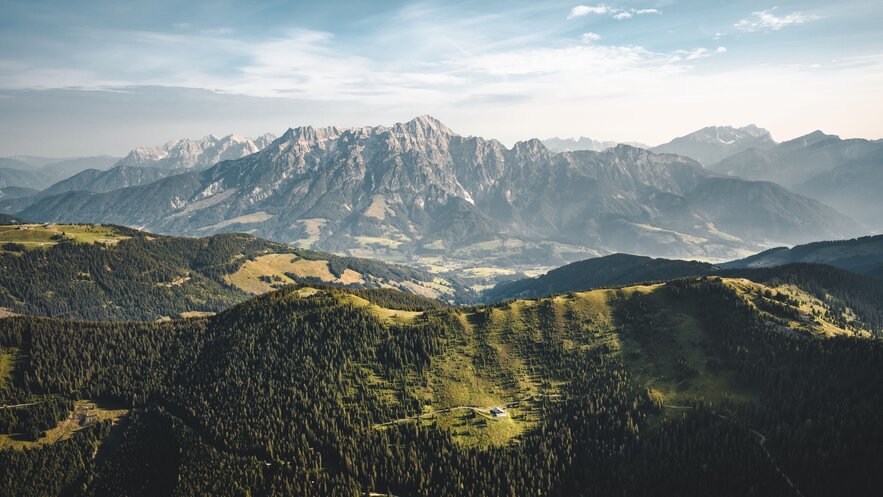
428, 125
190, 154
530, 148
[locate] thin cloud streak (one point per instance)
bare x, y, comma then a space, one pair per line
767, 20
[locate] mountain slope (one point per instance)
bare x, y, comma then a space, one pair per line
22, 178
316, 391
93, 180
64, 168
846, 174
710, 145
584, 143
39, 173
185, 154
94, 272
611, 270
15, 192
859, 255
417, 190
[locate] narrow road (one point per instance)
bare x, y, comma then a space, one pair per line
480, 410
12, 406
483, 410
761, 440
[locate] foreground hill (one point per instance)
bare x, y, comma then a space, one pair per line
108, 272
419, 191
695, 387
849, 295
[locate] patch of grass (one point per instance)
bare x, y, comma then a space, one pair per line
313, 228
377, 209
378, 241
811, 313
435, 245
33, 236
253, 276
388, 316
674, 360
196, 314
480, 430
8, 356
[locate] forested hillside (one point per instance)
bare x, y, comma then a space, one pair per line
844, 293
702, 386
108, 273
616, 269
859, 255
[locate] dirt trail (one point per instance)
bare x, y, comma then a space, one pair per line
480, 410
12, 406
761, 440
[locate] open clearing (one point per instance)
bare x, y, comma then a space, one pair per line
84, 414
253, 276
33, 236
313, 228
7, 364
254, 218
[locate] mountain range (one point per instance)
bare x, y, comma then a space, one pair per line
419, 190
584, 143
846, 174
711, 144
41, 172
141, 166
187, 154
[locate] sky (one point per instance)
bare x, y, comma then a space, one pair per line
102, 77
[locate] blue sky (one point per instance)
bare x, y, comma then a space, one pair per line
84, 77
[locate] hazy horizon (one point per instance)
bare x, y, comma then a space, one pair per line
88, 78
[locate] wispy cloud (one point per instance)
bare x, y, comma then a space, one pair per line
584, 10
767, 20
589, 37
462, 62
616, 13
696, 53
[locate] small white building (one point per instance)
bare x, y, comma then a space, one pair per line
498, 412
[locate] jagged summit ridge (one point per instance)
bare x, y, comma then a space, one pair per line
417, 188
187, 154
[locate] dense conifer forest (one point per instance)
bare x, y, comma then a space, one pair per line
148, 277
315, 391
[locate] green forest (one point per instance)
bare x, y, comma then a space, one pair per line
142, 276
691, 387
